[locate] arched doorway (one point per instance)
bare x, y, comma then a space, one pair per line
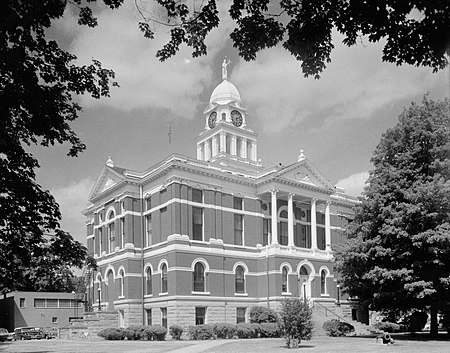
304, 282
110, 292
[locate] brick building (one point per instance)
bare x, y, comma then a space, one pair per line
190, 241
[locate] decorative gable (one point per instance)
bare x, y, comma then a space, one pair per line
304, 172
107, 179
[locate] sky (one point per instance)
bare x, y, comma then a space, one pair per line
337, 120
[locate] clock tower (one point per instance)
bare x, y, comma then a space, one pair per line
226, 139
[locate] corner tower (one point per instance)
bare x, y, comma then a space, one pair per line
226, 139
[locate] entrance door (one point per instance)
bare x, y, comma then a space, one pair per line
304, 284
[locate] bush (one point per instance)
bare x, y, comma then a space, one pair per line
136, 332
128, 334
155, 333
201, 332
386, 326
244, 330
112, 334
176, 331
296, 321
224, 330
259, 314
270, 330
445, 321
335, 328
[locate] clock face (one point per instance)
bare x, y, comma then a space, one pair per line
212, 120
236, 118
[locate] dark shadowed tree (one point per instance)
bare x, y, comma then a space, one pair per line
416, 32
398, 254
38, 81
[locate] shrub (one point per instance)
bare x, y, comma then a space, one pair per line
335, 328
296, 321
137, 332
155, 333
201, 332
386, 326
128, 334
244, 330
259, 314
445, 321
270, 330
112, 334
224, 330
176, 331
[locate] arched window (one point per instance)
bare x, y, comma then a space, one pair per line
163, 278
148, 281
284, 280
303, 271
199, 277
121, 282
111, 232
323, 288
239, 280
283, 228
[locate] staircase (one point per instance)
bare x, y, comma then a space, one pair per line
81, 289
326, 311
91, 323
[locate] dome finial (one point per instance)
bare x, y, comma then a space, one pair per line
225, 63
110, 162
302, 156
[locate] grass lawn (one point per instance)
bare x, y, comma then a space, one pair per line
404, 343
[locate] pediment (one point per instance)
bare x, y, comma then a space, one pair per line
107, 179
304, 172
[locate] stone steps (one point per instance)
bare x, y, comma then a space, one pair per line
87, 328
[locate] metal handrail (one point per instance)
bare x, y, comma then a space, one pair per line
326, 309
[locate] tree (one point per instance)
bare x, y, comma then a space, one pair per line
416, 32
397, 257
296, 321
38, 80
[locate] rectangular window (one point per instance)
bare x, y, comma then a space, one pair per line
321, 238
265, 239
240, 315
52, 303
164, 317
237, 203
39, 303
320, 218
22, 302
197, 223
283, 233
100, 237
238, 228
200, 313
148, 203
148, 230
54, 320
302, 237
64, 303
148, 316
197, 195
122, 232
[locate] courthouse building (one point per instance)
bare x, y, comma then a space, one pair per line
201, 240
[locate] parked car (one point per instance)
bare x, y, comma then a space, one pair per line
5, 335
50, 332
28, 333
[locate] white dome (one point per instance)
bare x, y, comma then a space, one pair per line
225, 93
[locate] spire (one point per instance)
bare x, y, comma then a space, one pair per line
110, 162
225, 63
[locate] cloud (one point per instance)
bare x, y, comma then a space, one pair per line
174, 85
72, 200
354, 184
355, 85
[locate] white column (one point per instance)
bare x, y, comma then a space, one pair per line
199, 152
244, 148
233, 145
274, 217
290, 220
223, 142
327, 226
214, 146
207, 150
313, 225
254, 151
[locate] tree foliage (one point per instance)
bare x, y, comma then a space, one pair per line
416, 32
296, 321
398, 254
38, 81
